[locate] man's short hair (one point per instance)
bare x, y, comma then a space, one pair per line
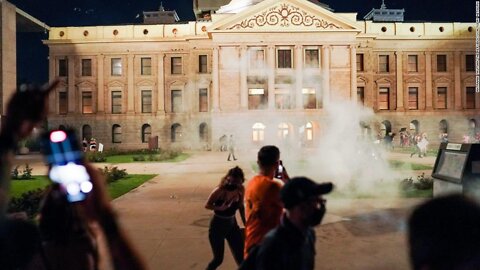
444, 233
268, 156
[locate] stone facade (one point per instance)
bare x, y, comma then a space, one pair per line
265, 74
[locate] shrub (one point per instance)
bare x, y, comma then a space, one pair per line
406, 184
29, 202
113, 174
15, 172
96, 157
139, 158
26, 173
423, 183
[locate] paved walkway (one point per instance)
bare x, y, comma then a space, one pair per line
167, 222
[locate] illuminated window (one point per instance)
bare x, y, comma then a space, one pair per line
87, 102
309, 98
257, 98
283, 131
309, 131
258, 134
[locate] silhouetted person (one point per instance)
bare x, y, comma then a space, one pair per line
225, 200
444, 234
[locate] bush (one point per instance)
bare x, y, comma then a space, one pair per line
96, 156
26, 173
406, 184
139, 158
113, 174
29, 202
423, 183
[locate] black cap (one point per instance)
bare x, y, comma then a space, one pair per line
300, 189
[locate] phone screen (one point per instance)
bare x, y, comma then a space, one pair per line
62, 151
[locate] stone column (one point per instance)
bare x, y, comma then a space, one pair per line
326, 75
53, 98
215, 82
100, 84
428, 81
271, 76
458, 88
298, 76
161, 84
130, 86
353, 73
72, 100
243, 78
399, 78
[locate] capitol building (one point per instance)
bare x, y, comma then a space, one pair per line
265, 71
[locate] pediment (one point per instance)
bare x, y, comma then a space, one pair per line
146, 83
470, 79
383, 81
413, 80
116, 83
274, 15
362, 79
443, 80
86, 84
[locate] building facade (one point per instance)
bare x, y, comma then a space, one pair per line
266, 74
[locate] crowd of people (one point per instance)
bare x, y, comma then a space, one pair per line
278, 214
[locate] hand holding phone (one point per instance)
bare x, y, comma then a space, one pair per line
279, 171
64, 155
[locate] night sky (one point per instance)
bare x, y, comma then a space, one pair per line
103, 12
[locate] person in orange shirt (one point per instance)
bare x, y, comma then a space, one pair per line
262, 197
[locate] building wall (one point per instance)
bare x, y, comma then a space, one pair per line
229, 73
8, 54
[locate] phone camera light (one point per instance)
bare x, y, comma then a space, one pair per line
58, 136
86, 186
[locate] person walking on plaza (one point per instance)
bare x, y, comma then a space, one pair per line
231, 148
225, 200
291, 245
262, 197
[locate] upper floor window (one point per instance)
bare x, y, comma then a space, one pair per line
146, 63
441, 63
202, 100
146, 101
470, 98
257, 58
86, 67
62, 102
62, 67
311, 58
202, 64
384, 98
176, 67
441, 98
116, 66
361, 95
413, 63
383, 63
87, 102
284, 58
116, 101
469, 62
360, 66
413, 98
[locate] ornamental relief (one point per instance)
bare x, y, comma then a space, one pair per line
284, 15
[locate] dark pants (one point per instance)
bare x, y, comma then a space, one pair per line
221, 229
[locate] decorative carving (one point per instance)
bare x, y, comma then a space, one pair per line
284, 15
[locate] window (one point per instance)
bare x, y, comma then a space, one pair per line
413, 98
146, 101
176, 101
87, 102
202, 64
311, 58
176, 133
413, 63
282, 99
309, 131
257, 57
258, 132
86, 67
360, 62
257, 98
62, 67
62, 102
283, 131
361, 95
202, 100
116, 101
284, 58
309, 98
116, 134
176, 67
470, 98
441, 63
87, 132
469, 62
383, 98
441, 98
203, 132
146, 133
146, 63
116, 66
383, 63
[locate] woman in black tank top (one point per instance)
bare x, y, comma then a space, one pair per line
225, 200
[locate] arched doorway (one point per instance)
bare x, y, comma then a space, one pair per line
176, 132
86, 132
203, 132
258, 132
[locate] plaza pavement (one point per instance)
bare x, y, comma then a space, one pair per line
167, 222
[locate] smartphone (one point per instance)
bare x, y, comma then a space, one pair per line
279, 171
64, 155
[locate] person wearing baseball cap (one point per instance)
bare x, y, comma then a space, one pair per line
291, 245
